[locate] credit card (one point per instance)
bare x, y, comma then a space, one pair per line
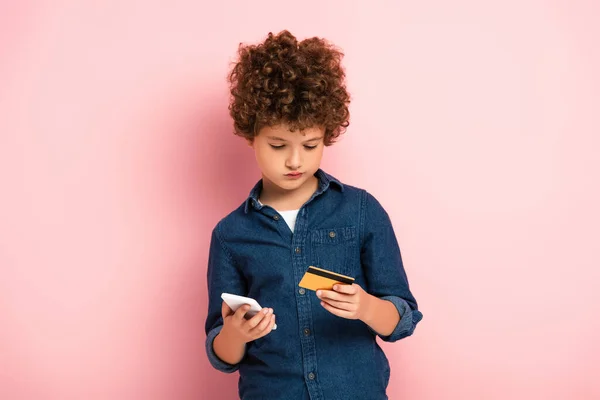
318, 278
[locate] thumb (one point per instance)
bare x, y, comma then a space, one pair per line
225, 310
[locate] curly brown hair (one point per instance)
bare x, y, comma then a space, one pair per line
282, 80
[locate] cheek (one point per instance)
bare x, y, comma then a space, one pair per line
260, 153
316, 156
266, 158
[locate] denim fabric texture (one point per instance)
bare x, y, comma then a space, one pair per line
312, 354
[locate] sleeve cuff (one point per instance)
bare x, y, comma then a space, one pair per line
408, 320
215, 361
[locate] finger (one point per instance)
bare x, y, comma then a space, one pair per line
272, 324
342, 305
336, 311
254, 321
347, 289
260, 329
241, 312
329, 294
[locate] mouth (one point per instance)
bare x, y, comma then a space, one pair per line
294, 174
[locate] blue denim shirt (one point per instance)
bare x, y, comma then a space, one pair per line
312, 354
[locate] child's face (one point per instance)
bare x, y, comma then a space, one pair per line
288, 159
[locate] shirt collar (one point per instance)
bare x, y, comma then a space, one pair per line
325, 180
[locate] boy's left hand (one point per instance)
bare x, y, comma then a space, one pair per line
346, 301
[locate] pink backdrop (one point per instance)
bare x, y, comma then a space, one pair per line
475, 125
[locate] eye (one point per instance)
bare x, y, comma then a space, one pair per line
277, 147
310, 147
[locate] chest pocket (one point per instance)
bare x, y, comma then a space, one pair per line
335, 249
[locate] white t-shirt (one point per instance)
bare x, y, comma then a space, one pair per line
289, 216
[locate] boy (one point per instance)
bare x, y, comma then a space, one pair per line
289, 101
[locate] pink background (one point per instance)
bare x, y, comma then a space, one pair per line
475, 124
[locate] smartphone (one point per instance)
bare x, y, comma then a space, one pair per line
235, 301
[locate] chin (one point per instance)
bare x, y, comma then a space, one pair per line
291, 184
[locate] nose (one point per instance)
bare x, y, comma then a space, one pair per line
294, 159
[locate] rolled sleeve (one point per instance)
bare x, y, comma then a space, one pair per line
384, 271
215, 361
222, 276
408, 320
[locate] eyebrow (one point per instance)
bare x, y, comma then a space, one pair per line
283, 140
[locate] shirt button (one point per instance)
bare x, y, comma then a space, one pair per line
306, 331
276, 217
301, 291
332, 234
311, 376
298, 250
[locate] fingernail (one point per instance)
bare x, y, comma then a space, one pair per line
319, 293
336, 287
265, 310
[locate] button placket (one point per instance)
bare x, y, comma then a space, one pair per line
299, 262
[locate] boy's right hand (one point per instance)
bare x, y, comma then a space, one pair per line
236, 326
